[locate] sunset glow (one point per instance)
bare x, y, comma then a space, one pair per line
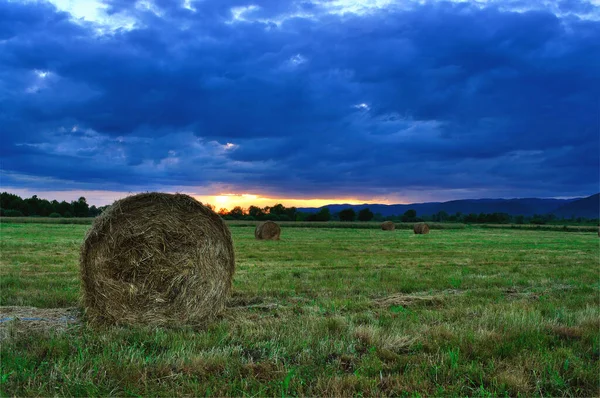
221, 201
305, 125
229, 201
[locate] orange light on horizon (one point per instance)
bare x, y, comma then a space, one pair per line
230, 200
226, 200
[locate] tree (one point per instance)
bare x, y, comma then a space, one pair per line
277, 209
64, 208
500, 218
409, 216
291, 213
236, 212
272, 217
80, 208
347, 214
94, 211
322, 215
482, 218
256, 212
365, 215
9, 201
300, 216
538, 219
45, 208
470, 218
440, 216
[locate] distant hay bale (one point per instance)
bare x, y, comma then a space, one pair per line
421, 229
388, 226
267, 230
156, 259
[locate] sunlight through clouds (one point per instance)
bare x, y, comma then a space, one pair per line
95, 11
299, 99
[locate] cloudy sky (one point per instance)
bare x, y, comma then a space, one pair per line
241, 101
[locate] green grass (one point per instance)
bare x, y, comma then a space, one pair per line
332, 224
545, 227
344, 224
330, 311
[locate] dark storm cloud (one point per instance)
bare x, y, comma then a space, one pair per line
293, 99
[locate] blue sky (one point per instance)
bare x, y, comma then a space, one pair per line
379, 101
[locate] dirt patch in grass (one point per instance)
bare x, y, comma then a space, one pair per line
15, 319
237, 302
407, 300
263, 371
513, 293
567, 332
417, 299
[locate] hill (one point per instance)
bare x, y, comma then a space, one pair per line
586, 207
579, 207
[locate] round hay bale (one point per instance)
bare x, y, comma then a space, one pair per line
421, 228
267, 230
156, 259
388, 226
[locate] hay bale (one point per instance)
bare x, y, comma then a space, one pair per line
156, 259
267, 230
421, 228
388, 226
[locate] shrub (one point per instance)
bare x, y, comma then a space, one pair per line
347, 214
365, 215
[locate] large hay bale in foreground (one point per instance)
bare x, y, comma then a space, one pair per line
421, 228
267, 230
156, 259
388, 226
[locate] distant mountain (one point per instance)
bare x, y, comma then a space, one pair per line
586, 207
579, 207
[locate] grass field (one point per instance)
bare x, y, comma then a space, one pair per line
481, 312
567, 227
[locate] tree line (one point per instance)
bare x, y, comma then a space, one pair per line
12, 205
281, 213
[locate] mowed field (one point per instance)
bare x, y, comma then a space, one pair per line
479, 312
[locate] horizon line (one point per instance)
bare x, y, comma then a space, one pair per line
228, 202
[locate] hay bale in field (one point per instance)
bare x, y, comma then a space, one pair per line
156, 259
267, 230
388, 226
421, 228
